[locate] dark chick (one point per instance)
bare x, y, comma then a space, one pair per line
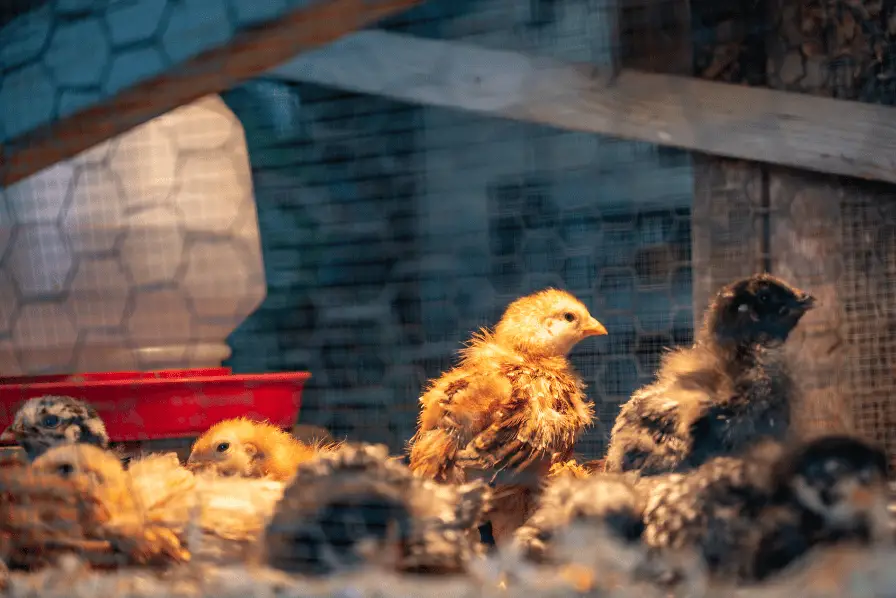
751, 517
720, 395
837, 487
356, 505
45, 422
715, 510
512, 408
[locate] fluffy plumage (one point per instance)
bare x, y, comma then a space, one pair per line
840, 483
165, 490
715, 510
750, 517
103, 507
605, 501
232, 515
511, 408
218, 519
42, 423
248, 448
720, 395
355, 505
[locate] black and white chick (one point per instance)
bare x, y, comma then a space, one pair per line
42, 423
751, 517
719, 396
357, 506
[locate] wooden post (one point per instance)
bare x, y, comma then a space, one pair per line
826, 230
729, 216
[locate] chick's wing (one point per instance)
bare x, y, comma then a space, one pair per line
508, 446
465, 415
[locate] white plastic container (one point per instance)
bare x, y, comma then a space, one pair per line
140, 253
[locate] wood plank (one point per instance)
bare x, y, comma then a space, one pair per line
727, 226
203, 53
716, 118
806, 249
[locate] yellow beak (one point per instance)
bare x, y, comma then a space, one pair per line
594, 328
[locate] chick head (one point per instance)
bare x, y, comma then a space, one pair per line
228, 448
99, 470
548, 323
52, 420
757, 309
840, 479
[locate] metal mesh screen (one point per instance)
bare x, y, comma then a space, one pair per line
358, 213
867, 285
379, 298
388, 230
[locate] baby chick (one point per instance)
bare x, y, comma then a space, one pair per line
840, 486
750, 517
355, 505
715, 398
52, 420
42, 516
511, 408
247, 448
714, 509
117, 516
607, 501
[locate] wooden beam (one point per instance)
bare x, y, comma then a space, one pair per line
716, 118
198, 52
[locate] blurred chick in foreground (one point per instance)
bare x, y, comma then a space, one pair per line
116, 515
42, 423
749, 518
247, 448
218, 519
605, 501
745, 518
511, 408
720, 395
356, 505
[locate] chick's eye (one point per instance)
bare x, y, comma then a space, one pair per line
569, 316
66, 469
223, 447
50, 421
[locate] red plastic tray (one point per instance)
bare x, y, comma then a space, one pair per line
167, 403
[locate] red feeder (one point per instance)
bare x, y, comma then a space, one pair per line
166, 403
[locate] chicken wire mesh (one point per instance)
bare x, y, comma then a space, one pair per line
292, 226
389, 230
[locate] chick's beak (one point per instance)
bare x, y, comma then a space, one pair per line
593, 328
806, 302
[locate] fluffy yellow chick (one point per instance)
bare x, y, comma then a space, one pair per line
513, 405
251, 449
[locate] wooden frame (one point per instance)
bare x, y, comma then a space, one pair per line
750, 123
258, 47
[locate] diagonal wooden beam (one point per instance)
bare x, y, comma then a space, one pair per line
763, 125
189, 55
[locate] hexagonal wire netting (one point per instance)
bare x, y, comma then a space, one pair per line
393, 231
388, 231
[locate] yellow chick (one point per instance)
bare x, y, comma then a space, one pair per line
513, 405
